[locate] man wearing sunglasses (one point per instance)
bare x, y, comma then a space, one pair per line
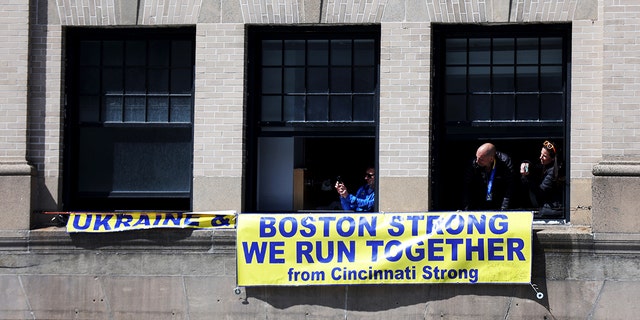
364, 199
489, 181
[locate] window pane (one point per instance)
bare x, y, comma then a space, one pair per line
294, 52
503, 107
479, 79
341, 52
271, 108
158, 109
479, 51
135, 80
136, 53
89, 53
271, 80
551, 107
456, 51
551, 50
363, 52
182, 53
152, 160
317, 108
527, 50
113, 108
159, 53
503, 79
318, 53
364, 79
89, 80
318, 80
527, 107
112, 80
527, 79
134, 109
159, 81
271, 52
181, 80
551, 78
294, 108
456, 80
456, 108
363, 108
294, 80
503, 51
181, 109
340, 79
89, 108
340, 108
479, 107
112, 53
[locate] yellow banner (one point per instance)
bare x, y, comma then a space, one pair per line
111, 222
374, 248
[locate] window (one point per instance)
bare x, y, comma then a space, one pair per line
502, 84
312, 112
128, 130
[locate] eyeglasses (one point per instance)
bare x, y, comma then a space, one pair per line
550, 146
369, 175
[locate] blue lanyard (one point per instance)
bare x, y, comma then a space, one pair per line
490, 183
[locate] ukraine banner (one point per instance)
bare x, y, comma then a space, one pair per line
116, 221
392, 248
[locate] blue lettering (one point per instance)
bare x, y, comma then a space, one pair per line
454, 243
308, 229
414, 223
374, 244
494, 245
393, 254
293, 229
479, 225
123, 220
87, 222
143, 220
370, 227
102, 221
432, 249
351, 224
419, 256
170, 218
326, 221
267, 227
396, 223
501, 227
460, 225
478, 249
514, 247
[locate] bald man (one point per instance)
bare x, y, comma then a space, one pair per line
489, 180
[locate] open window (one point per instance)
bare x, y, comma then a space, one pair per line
504, 84
312, 114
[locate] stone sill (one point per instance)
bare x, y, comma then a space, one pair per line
549, 238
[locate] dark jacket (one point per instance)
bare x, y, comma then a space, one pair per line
476, 180
545, 190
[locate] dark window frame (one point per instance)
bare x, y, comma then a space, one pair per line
160, 191
454, 140
256, 126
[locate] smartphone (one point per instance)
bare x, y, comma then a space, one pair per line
339, 179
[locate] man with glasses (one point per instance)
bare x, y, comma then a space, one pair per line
364, 199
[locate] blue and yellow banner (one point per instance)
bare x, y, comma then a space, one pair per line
111, 222
374, 248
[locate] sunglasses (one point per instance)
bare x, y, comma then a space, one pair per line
369, 175
550, 146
